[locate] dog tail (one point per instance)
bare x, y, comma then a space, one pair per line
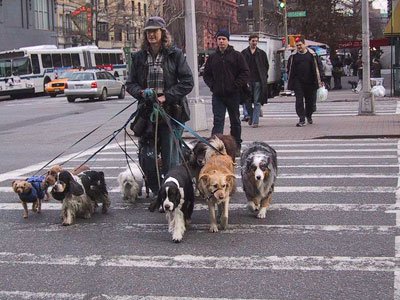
217, 144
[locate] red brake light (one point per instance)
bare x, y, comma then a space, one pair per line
94, 85
65, 85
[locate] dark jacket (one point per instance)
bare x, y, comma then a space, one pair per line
226, 73
318, 73
262, 67
178, 79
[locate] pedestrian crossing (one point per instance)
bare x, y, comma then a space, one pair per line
333, 224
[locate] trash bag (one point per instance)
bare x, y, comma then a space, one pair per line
378, 91
322, 94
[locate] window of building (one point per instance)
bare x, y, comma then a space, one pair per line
121, 5
133, 7
42, 14
250, 14
139, 9
250, 2
102, 31
105, 4
118, 33
144, 9
250, 27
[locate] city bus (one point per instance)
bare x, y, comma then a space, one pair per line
27, 70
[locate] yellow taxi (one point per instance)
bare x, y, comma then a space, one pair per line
57, 86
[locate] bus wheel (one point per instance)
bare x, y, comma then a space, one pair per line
103, 95
122, 94
70, 99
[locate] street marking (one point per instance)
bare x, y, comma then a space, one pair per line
293, 189
390, 208
18, 295
255, 262
396, 284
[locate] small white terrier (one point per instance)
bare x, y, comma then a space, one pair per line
131, 182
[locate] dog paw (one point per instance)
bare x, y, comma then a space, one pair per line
177, 238
224, 223
251, 206
213, 228
262, 213
25, 216
65, 224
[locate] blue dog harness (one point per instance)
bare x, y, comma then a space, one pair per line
36, 190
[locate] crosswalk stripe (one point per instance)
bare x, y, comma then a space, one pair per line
293, 189
255, 262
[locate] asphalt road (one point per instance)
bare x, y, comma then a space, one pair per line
330, 233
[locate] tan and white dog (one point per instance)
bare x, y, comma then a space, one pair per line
217, 183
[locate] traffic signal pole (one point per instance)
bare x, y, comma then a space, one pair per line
366, 105
285, 32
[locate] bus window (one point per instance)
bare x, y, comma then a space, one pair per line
120, 60
5, 68
35, 63
106, 59
76, 62
113, 59
46, 61
56, 60
21, 66
66, 59
98, 59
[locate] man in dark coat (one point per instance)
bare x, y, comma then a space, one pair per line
226, 73
258, 65
305, 71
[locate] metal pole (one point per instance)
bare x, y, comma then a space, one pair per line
198, 120
366, 103
285, 53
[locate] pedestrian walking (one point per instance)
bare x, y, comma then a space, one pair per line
161, 68
376, 68
257, 61
359, 64
226, 73
328, 73
304, 77
347, 64
337, 73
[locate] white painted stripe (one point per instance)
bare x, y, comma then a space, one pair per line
339, 166
282, 158
203, 228
293, 189
19, 295
396, 280
328, 207
303, 263
25, 295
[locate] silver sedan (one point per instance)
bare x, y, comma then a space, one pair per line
93, 84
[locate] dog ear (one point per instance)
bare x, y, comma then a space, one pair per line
27, 187
230, 177
204, 177
14, 185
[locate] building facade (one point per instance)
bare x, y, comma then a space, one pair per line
27, 23
106, 23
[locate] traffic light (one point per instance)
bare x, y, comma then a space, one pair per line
282, 4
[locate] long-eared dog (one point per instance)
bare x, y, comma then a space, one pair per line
30, 191
259, 170
52, 174
217, 182
176, 197
80, 195
131, 182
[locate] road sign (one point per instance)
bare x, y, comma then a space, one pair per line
296, 14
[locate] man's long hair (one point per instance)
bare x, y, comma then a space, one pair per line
166, 40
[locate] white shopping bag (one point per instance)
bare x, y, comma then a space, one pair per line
322, 94
378, 91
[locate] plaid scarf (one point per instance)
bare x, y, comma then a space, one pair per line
155, 75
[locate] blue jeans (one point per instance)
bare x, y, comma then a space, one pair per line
254, 112
245, 113
169, 155
219, 107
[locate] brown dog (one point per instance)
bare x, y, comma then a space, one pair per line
52, 174
30, 191
217, 183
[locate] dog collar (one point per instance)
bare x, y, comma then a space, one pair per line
172, 179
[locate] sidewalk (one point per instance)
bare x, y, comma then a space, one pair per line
375, 126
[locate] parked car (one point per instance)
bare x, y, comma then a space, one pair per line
93, 84
56, 86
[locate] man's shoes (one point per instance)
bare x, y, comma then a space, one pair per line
245, 119
237, 152
309, 121
301, 124
255, 125
250, 121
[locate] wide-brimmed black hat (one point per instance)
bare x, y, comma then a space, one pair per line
155, 23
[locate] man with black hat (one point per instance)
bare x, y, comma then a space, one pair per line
225, 73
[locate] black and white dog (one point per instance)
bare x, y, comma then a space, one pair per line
176, 197
259, 170
80, 194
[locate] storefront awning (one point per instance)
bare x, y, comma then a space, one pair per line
393, 27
